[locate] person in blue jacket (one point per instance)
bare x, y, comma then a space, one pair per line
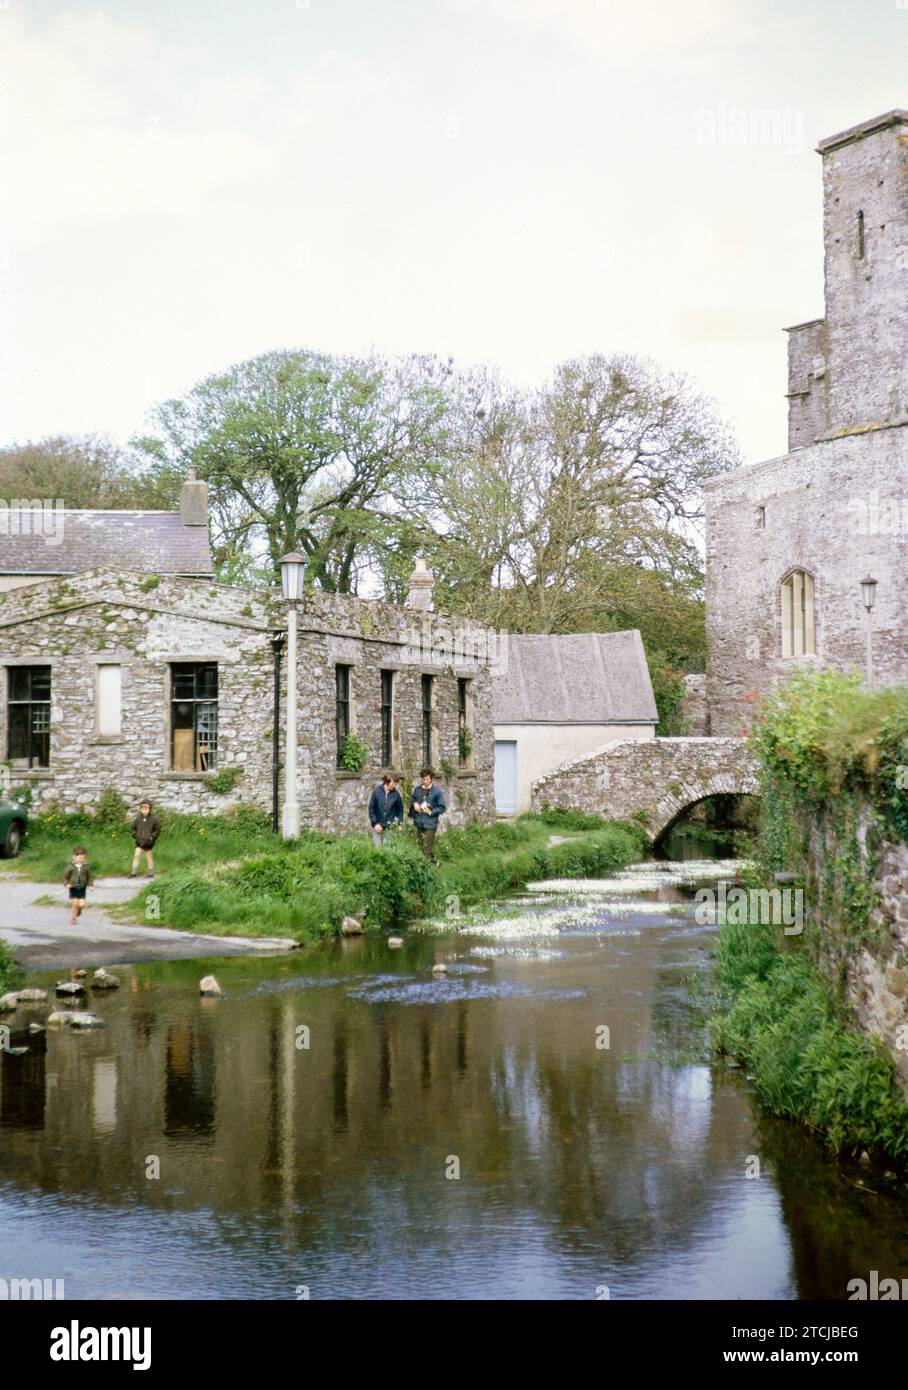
426, 805
386, 807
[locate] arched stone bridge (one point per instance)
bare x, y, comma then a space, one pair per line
659, 778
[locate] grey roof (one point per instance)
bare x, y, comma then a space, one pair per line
579, 678
145, 542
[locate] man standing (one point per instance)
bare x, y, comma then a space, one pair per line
386, 807
426, 805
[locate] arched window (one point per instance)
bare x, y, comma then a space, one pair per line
797, 614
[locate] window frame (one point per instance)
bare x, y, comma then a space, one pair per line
342, 725
797, 593
427, 697
199, 700
386, 715
31, 759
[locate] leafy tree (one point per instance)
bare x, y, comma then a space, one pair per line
304, 451
86, 472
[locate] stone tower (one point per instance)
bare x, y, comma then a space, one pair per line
789, 540
849, 370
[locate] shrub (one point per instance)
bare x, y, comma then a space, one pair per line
354, 754
111, 809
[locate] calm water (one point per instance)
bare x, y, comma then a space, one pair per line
327, 1166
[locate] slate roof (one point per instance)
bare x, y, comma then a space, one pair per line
145, 542
578, 678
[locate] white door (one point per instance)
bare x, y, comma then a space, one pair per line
506, 777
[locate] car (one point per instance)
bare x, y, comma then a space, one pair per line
13, 826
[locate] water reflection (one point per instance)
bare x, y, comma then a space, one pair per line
328, 1164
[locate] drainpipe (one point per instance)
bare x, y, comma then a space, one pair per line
277, 646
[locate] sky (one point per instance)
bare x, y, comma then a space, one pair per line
187, 183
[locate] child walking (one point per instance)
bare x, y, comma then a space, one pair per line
145, 830
77, 879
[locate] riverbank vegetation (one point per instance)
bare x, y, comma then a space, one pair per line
10, 974
231, 875
833, 762
779, 1018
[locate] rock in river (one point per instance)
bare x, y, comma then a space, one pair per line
69, 989
350, 927
7, 1002
101, 980
210, 987
32, 996
62, 1018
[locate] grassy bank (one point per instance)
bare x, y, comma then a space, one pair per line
782, 1022
10, 974
230, 874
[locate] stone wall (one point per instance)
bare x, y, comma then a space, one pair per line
865, 176
147, 623
872, 974
653, 781
693, 709
838, 510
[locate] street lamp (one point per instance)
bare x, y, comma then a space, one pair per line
868, 593
277, 647
293, 568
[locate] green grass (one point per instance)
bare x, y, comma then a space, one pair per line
230, 875
10, 974
782, 1022
305, 890
186, 842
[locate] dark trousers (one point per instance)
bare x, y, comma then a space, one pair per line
425, 838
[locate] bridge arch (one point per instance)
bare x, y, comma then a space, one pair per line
653, 781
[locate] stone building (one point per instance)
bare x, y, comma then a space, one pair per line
790, 539
162, 685
558, 698
42, 538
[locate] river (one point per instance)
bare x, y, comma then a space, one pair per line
342, 1123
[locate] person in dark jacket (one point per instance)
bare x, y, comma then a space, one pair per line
386, 807
426, 805
77, 879
145, 830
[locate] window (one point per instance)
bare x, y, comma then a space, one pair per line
427, 710
29, 716
108, 688
194, 717
464, 723
387, 718
342, 708
798, 615
860, 230
760, 518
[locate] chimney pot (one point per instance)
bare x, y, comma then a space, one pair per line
421, 583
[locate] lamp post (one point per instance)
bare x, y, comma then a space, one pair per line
293, 567
277, 646
868, 592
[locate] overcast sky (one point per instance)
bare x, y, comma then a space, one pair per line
186, 183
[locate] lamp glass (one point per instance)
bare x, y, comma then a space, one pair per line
293, 567
868, 589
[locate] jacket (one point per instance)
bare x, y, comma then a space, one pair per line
427, 820
385, 807
145, 830
77, 876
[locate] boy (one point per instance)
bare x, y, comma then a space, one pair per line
145, 830
77, 878
386, 807
427, 804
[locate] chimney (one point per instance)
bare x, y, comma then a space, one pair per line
194, 501
421, 582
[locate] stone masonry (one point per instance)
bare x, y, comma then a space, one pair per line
836, 506
652, 782
146, 623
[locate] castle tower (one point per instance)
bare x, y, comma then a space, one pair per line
849, 371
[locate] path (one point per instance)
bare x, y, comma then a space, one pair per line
42, 939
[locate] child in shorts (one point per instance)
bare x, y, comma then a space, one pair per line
77, 879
